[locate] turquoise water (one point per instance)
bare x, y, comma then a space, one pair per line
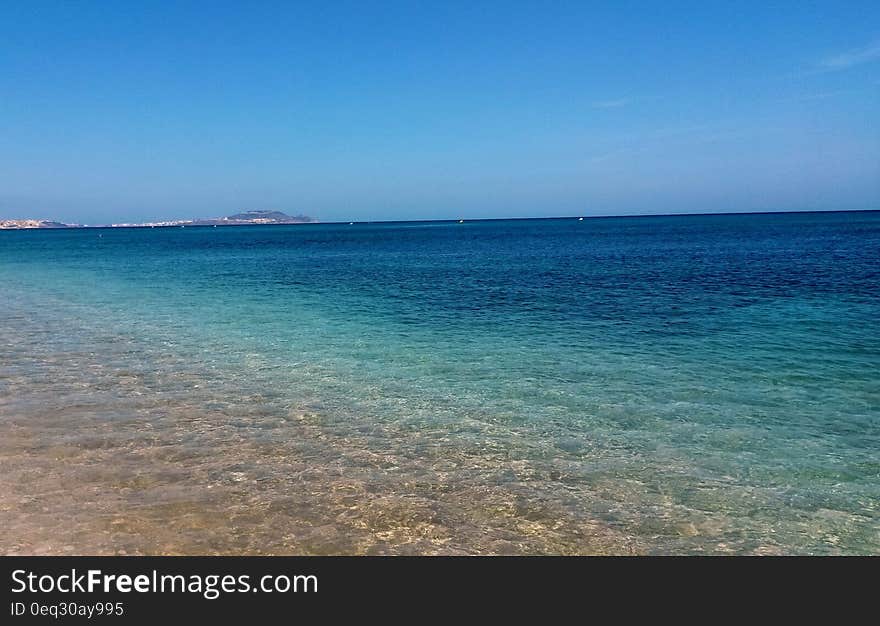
700, 384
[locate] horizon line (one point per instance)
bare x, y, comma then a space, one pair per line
439, 220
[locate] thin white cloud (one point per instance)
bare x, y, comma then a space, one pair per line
611, 104
851, 58
824, 95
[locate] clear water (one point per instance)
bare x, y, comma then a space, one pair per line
703, 384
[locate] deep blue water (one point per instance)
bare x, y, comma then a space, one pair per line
656, 384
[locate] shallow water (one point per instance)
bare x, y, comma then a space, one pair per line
704, 384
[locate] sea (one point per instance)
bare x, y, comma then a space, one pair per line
703, 384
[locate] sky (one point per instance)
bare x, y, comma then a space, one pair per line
137, 111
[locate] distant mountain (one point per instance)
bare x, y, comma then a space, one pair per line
276, 216
256, 217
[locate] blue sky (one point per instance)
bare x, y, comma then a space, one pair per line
120, 111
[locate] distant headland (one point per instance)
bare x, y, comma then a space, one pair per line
15, 224
244, 218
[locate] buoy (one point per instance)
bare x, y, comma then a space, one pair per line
461, 221
580, 219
